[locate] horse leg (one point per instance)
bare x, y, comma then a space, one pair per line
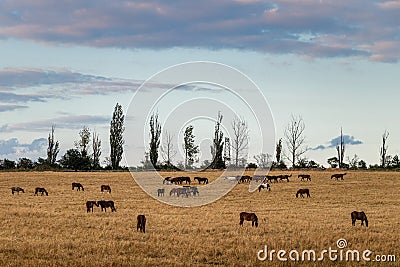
241, 221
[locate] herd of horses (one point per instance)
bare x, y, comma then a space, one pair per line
187, 190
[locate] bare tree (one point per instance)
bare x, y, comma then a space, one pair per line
294, 135
384, 149
83, 142
53, 148
263, 160
240, 139
340, 148
168, 151
96, 146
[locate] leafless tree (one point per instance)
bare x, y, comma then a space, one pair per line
263, 160
340, 148
53, 148
240, 139
384, 149
294, 135
168, 151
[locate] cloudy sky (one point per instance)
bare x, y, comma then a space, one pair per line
67, 63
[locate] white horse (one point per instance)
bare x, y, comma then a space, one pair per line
265, 185
232, 178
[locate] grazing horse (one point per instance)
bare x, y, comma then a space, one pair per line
141, 223
284, 177
191, 190
359, 215
78, 185
105, 188
186, 180
338, 175
304, 176
248, 217
244, 179
303, 191
166, 180
258, 178
271, 177
201, 179
41, 190
90, 205
160, 192
106, 204
173, 191
17, 189
265, 185
175, 180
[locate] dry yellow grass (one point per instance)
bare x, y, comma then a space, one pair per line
57, 231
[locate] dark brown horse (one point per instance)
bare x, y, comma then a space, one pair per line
271, 178
338, 175
359, 215
304, 176
106, 204
244, 179
245, 216
17, 189
203, 180
90, 205
303, 191
79, 186
41, 190
105, 188
284, 177
141, 223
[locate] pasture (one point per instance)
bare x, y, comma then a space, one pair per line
56, 230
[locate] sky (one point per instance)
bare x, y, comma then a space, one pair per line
67, 63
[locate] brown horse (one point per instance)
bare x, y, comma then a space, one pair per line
304, 176
338, 175
248, 217
141, 223
271, 178
203, 180
303, 191
41, 190
17, 189
359, 215
106, 204
284, 177
105, 188
79, 186
90, 205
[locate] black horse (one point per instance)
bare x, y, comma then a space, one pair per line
41, 190
106, 204
79, 186
17, 189
248, 217
141, 223
203, 180
359, 215
160, 192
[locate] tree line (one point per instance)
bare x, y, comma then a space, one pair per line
225, 152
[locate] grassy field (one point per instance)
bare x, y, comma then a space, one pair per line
56, 230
